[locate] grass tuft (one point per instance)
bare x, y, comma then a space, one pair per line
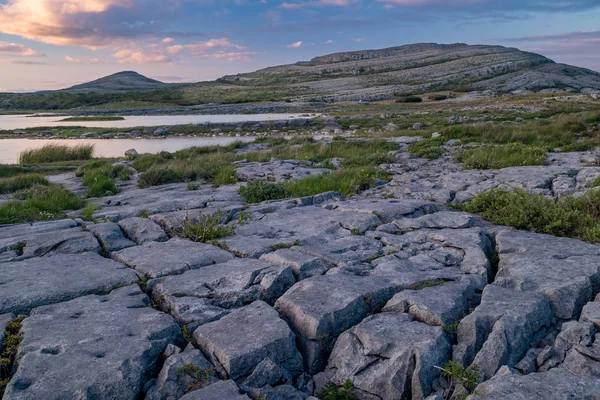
20, 182
501, 156
56, 152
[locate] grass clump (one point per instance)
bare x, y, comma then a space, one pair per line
259, 191
88, 212
347, 182
576, 217
428, 148
99, 177
501, 156
205, 228
199, 377
332, 392
457, 375
56, 152
20, 182
8, 351
39, 203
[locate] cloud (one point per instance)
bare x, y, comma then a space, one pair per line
72, 60
317, 3
18, 49
295, 45
139, 56
202, 47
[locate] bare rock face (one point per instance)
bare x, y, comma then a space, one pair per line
104, 347
110, 236
389, 356
222, 390
142, 230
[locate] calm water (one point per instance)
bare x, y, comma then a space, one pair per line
11, 122
11, 148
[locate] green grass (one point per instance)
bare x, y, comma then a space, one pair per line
428, 148
501, 156
92, 118
20, 182
259, 191
56, 152
576, 217
8, 350
205, 228
99, 177
6, 171
39, 203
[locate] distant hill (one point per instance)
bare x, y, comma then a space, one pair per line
423, 67
126, 81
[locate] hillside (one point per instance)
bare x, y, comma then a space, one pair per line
126, 81
425, 67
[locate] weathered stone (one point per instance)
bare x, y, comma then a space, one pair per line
437, 305
554, 384
389, 210
276, 170
175, 256
142, 230
389, 356
281, 392
268, 372
16, 231
110, 236
181, 372
222, 390
70, 241
346, 250
104, 347
528, 364
239, 341
206, 294
565, 270
39, 281
321, 308
303, 265
501, 329
438, 220
591, 313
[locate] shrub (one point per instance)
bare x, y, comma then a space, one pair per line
259, 191
457, 375
206, 228
20, 182
55, 152
99, 177
501, 156
438, 97
88, 212
100, 185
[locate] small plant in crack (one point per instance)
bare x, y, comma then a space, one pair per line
198, 376
457, 375
427, 284
144, 282
186, 334
8, 351
333, 392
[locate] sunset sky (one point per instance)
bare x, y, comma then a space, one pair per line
50, 44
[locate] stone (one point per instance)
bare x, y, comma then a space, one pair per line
438, 220
34, 228
528, 364
268, 372
176, 377
580, 362
390, 356
206, 294
142, 230
39, 281
161, 132
591, 313
435, 135
175, 256
391, 127
437, 305
276, 170
319, 309
389, 210
501, 329
70, 241
239, 341
417, 126
287, 392
104, 347
303, 265
222, 390
110, 236
345, 250
131, 152
565, 270
554, 384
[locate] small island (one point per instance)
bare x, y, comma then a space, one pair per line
93, 118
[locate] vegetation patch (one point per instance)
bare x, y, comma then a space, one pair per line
457, 375
51, 153
331, 392
92, 118
576, 217
428, 148
348, 182
206, 228
20, 182
259, 191
501, 156
8, 351
99, 177
39, 203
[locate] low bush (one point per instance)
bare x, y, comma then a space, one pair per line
577, 217
501, 156
20, 182
56, 152
205, 228
259, 191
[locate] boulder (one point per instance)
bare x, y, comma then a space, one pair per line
39, 281
105, 347
268, 372
390, 356
131, 152
175, 256
222, 390
239, 341
142, 230
110, 236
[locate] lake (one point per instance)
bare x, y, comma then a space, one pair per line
12, 122
11, 148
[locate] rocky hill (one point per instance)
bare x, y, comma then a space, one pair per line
425, 67
126, 81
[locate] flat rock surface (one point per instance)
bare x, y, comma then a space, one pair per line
105, 347
110, 236
39, 281
142, 230
223, 390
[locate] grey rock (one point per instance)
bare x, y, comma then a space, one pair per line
439, 220
161, 132
582, 361
556, 384
222, 390
528, 364
142, 230
345, 250
106, 347
110, 236
239, 341
417, 126
175, 256
131, 152
268, 372
389, 210
282, 392
321, 308
276, 170
591, 313
70, 241
303, 265
501, 329
389, 356
16, 231
39, 281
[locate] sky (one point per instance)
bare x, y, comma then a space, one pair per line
52, 44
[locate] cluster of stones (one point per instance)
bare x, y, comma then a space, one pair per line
311, 291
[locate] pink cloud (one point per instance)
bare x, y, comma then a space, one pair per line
317, 3
18, 49
295, 45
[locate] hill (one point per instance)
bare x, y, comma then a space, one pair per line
126, 81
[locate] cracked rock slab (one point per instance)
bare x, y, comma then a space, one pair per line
303, 265
110, 236
222, 390
36, 282
390, 356
142, 230
101, 347
175, 256
70, 241
239, 341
